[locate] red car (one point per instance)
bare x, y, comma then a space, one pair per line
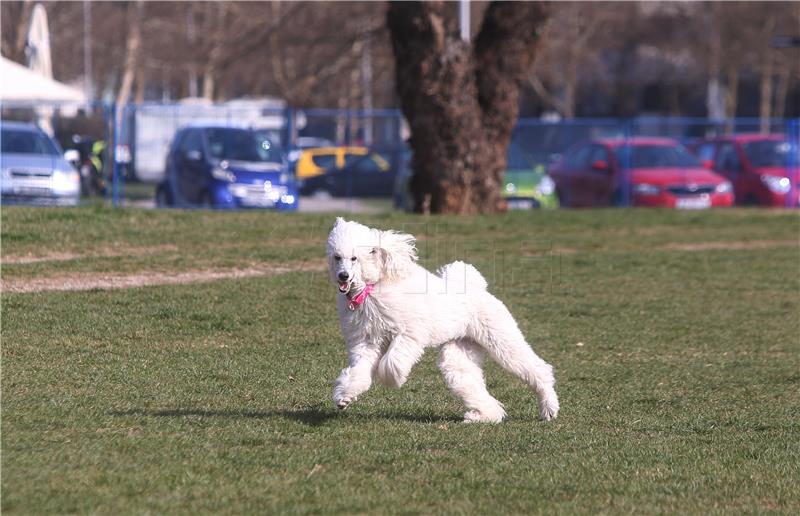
762, 167
637, 171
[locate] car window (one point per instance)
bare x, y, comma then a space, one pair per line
27, 142
192, 141
770, 153
705, 151
579, 158
517, 159
598, 153
727, 159
656, 156
242, 145
374, 163
325, 161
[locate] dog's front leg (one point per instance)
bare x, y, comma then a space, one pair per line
357, 377
396, 363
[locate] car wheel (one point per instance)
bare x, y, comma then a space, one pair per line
617, 199
206, 201
563, 201
321, 194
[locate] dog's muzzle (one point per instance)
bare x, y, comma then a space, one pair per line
344, 286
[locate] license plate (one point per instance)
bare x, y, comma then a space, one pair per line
693, 203
31, 190
258, 202
520, 204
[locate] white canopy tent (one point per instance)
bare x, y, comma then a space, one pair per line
19, 84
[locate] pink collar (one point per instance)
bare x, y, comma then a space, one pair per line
361, 297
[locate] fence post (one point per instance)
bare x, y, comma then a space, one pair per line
627, 131
289, 115
793, 138
114, 157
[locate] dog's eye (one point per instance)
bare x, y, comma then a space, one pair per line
353, 259
337, 258
372, 252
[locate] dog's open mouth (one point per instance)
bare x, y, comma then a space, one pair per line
344, 286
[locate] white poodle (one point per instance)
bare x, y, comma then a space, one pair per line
391, 309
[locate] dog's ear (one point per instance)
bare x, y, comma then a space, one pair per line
339, 221
398, 252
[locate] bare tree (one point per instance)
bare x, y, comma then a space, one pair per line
461, 99
570, 52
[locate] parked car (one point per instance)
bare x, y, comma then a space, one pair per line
315, 161
226, 167
526, 185
370, 175
642, 171
763, 168
34, 168
306, 142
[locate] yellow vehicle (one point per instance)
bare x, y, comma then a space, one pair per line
317, 160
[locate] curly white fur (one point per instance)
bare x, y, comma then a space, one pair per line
411, 309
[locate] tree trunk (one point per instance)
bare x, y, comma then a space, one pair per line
765, 92
732, 95
132, 48
460, 100
782, 91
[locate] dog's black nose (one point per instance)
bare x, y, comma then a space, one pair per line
343, 276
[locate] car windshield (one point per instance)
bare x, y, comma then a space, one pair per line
771, 153
656, 156
27, 142
517, 159
243, 145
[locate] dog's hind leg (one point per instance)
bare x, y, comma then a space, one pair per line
460, 362
396, 363
500, 336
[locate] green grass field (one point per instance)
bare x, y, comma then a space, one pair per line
675, 337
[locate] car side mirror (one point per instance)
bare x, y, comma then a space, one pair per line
72, 155
193, 155
600, 165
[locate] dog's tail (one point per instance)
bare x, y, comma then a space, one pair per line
461, 277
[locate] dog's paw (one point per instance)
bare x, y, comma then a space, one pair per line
494, 416
548, 409
343, 403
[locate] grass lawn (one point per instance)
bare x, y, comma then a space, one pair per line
675, 337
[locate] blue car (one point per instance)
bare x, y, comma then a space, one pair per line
33, 168
213, 166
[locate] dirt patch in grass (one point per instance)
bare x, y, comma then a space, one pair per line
89, 281
99, 253
708, 246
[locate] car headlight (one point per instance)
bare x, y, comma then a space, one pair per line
223, 175
724, 187
287, 199
776, 184
66, 180
546, 186
646, 189
511, 188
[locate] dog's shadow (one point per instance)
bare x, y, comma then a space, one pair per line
305, 416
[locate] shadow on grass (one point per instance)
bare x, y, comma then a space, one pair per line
307, 416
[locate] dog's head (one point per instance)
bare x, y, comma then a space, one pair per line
358, 255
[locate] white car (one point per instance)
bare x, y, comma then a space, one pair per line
34, 169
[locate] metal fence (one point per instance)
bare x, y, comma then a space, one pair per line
135, 145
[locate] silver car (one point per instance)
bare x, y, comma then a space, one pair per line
34, 169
